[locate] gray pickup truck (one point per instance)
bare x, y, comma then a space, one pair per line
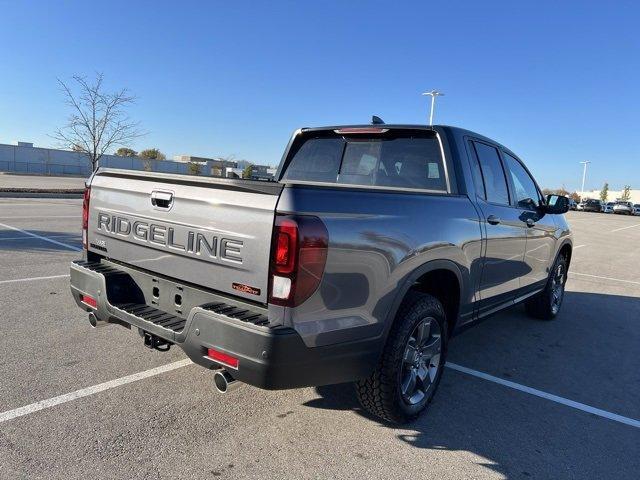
374, 245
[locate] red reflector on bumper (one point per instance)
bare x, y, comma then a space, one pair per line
87, 300
223, 358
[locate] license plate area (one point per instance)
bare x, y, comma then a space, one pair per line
130, 286
169, 296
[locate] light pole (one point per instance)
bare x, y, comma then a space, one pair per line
584, 175
433, 94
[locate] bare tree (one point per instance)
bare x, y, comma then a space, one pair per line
98, 121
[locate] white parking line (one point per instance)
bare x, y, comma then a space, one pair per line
624, 228
548, 396
85, 392
604, 278
31, 279
40, 204
40, 216
66, 245
578, 246
31, 238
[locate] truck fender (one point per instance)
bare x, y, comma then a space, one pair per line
408, 281
566, 241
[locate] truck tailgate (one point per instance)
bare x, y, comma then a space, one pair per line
213, 232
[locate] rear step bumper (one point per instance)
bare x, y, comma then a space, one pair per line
269, 357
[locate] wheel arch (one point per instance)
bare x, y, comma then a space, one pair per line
441, 278
566, 249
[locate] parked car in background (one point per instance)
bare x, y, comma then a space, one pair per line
623, 208
608, 207
593, 206
580, 206
572, 204
636, 209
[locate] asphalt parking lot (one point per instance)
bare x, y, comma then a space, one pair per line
582, 420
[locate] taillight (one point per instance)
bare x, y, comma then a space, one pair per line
286, 246
360, 130
298, 257
85, 216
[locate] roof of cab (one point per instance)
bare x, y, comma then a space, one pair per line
457, 131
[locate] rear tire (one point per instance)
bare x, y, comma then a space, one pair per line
546, 305
409, 371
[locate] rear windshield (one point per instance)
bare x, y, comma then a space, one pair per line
399, 161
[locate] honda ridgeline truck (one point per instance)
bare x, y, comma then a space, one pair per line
374, 245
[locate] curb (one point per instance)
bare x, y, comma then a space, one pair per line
31, 174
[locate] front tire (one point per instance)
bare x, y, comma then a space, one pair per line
546, 305
409, 371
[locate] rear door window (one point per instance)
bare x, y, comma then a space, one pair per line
476, 172
411, 161
495, 182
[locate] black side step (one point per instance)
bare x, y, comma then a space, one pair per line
153, 315
239, 313
169, 321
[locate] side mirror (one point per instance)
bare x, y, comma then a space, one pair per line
556, 204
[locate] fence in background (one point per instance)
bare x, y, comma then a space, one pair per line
49, 161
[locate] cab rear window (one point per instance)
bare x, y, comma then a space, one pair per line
411, 161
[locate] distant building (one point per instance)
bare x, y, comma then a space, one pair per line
612, 195
244, 163
231, 172
215, 167
262, 172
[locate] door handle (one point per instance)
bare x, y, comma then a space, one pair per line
493, 220
161, 199
530, 223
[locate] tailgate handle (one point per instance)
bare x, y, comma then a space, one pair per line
161, 199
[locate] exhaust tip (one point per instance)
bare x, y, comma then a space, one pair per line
223, 381
93, 320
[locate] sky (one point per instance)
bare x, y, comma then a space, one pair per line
555, 82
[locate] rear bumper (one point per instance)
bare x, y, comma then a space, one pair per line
269, 357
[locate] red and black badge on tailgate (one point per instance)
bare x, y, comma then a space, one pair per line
245, 288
